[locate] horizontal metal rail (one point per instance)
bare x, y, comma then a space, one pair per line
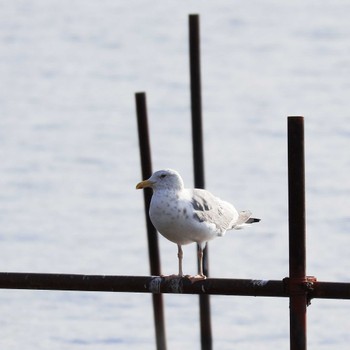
155, 284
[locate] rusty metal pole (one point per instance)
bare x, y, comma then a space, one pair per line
153, 250
156, 284
297, 250
198, 161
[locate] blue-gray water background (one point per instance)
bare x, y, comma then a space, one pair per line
69, 161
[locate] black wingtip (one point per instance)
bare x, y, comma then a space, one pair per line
252, 220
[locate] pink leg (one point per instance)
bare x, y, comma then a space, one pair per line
180, 255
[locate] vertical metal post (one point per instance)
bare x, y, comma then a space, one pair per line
153, 250
297, 251
196, 101
198, 161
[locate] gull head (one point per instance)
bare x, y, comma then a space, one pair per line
167, 179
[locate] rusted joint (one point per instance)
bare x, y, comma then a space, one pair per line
300, 286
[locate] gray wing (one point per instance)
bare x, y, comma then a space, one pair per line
208, 208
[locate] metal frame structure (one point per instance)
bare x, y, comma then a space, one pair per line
298, 287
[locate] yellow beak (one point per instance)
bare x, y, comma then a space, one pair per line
144, 184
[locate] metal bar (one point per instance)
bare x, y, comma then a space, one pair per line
196, 101
198, 162
146, 166
330, 290
153, 250
140, 284
297, 250
157, 285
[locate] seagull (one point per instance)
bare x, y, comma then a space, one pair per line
185, 216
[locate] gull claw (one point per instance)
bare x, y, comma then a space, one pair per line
192, 278
196, 278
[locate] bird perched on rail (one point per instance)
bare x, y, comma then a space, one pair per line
186, 216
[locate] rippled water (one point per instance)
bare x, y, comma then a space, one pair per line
70, 161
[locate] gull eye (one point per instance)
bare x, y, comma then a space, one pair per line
162, 176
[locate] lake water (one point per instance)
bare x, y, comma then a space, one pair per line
70, 161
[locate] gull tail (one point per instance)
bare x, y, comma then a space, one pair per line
244, 219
